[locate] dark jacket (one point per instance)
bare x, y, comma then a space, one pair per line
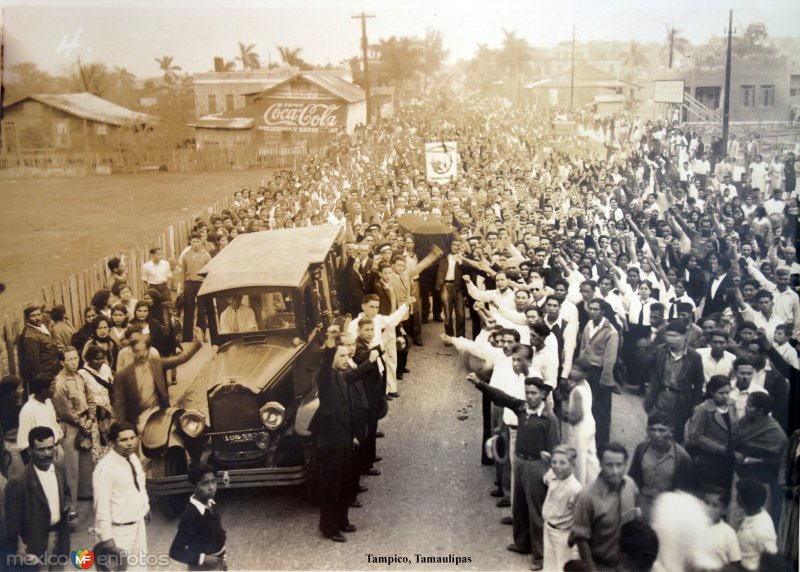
690, 389
682, 480
38, 353
126, 404
717, 303
441, 274
28, 514
334, 417
707, 431
353, 288
374, 381
197, 534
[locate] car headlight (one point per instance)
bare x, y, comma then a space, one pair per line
193, 423
272, 415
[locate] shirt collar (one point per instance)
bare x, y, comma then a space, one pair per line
201, 507
537, 412
678, 355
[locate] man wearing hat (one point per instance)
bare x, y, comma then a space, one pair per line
675, 373
537, 433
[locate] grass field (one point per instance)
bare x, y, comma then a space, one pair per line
50, 228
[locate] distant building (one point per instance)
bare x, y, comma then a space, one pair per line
308, 108
761, 91
221, 91
587, 85
69, 122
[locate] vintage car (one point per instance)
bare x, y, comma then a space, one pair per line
269, 297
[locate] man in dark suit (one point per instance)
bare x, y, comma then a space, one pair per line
375, 386
38, 352
36, 507
352, 287
333, 426
715, 302
676, 378
451, 285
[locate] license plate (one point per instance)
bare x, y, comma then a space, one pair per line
239, 437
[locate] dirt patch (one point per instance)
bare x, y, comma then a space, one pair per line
53, 227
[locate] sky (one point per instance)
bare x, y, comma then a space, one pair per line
133, 33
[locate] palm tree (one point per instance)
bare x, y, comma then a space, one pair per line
169, 70
676, 43
401, 59
433, 52
248, 57
291, 57
635, 58
514, 58
482, 70
123, 79
93, 78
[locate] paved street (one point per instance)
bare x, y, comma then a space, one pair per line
432, 498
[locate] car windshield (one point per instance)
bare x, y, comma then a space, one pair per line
259, 310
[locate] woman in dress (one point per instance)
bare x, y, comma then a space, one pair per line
84, 333
581, 423
775, 175
119, 321
126, 298
99, 382
758, 173
149, 326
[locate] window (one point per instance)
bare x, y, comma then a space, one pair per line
254, 310
748, 98
229, 102
766, 96
794, 92
212, 103
62, 134
101, 134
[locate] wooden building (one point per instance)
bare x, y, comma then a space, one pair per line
70, 122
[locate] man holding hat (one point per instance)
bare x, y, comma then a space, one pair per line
537, 433
676, 378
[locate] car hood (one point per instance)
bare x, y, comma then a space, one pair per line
256, 365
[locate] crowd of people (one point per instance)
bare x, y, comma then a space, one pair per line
594, 257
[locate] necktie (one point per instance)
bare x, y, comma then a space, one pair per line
641, 314
235, 321
133, 470
672, 308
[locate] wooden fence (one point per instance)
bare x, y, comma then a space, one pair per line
76, 291
171, 160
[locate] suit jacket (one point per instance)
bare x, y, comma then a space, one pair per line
385, 298
38, 354
334, 417
353, 288
127, 405
717, 303
708, 432
28, 514
374, 380
441, 274
690, 384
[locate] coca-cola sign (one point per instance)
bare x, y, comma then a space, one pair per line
303, 116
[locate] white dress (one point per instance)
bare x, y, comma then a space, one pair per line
581, 437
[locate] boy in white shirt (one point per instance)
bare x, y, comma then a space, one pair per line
721, 540
783, 333
757, 533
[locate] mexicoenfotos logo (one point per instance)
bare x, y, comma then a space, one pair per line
82, 559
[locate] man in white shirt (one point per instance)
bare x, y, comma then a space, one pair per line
766, 317
121, 505
502, 296
237, 317
786, 302
38, 411
156, 273
744, 386
37, 506
716, 361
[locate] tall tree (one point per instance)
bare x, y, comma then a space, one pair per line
400, 60
676, 43
482, 69
433, 52
514, 59
248, 57
753, 42
93, 78
168, 68
634, 59
291, 57
27, 79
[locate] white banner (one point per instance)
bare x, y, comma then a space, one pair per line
441, 162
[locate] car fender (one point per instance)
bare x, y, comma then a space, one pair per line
305, 413
162, 431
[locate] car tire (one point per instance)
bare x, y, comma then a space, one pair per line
171, 506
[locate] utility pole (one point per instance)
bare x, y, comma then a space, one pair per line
726, 104
364, 51
572, 77
671, 43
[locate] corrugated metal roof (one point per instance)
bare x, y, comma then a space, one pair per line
219, 122
269, 258
88, 106
331, 83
